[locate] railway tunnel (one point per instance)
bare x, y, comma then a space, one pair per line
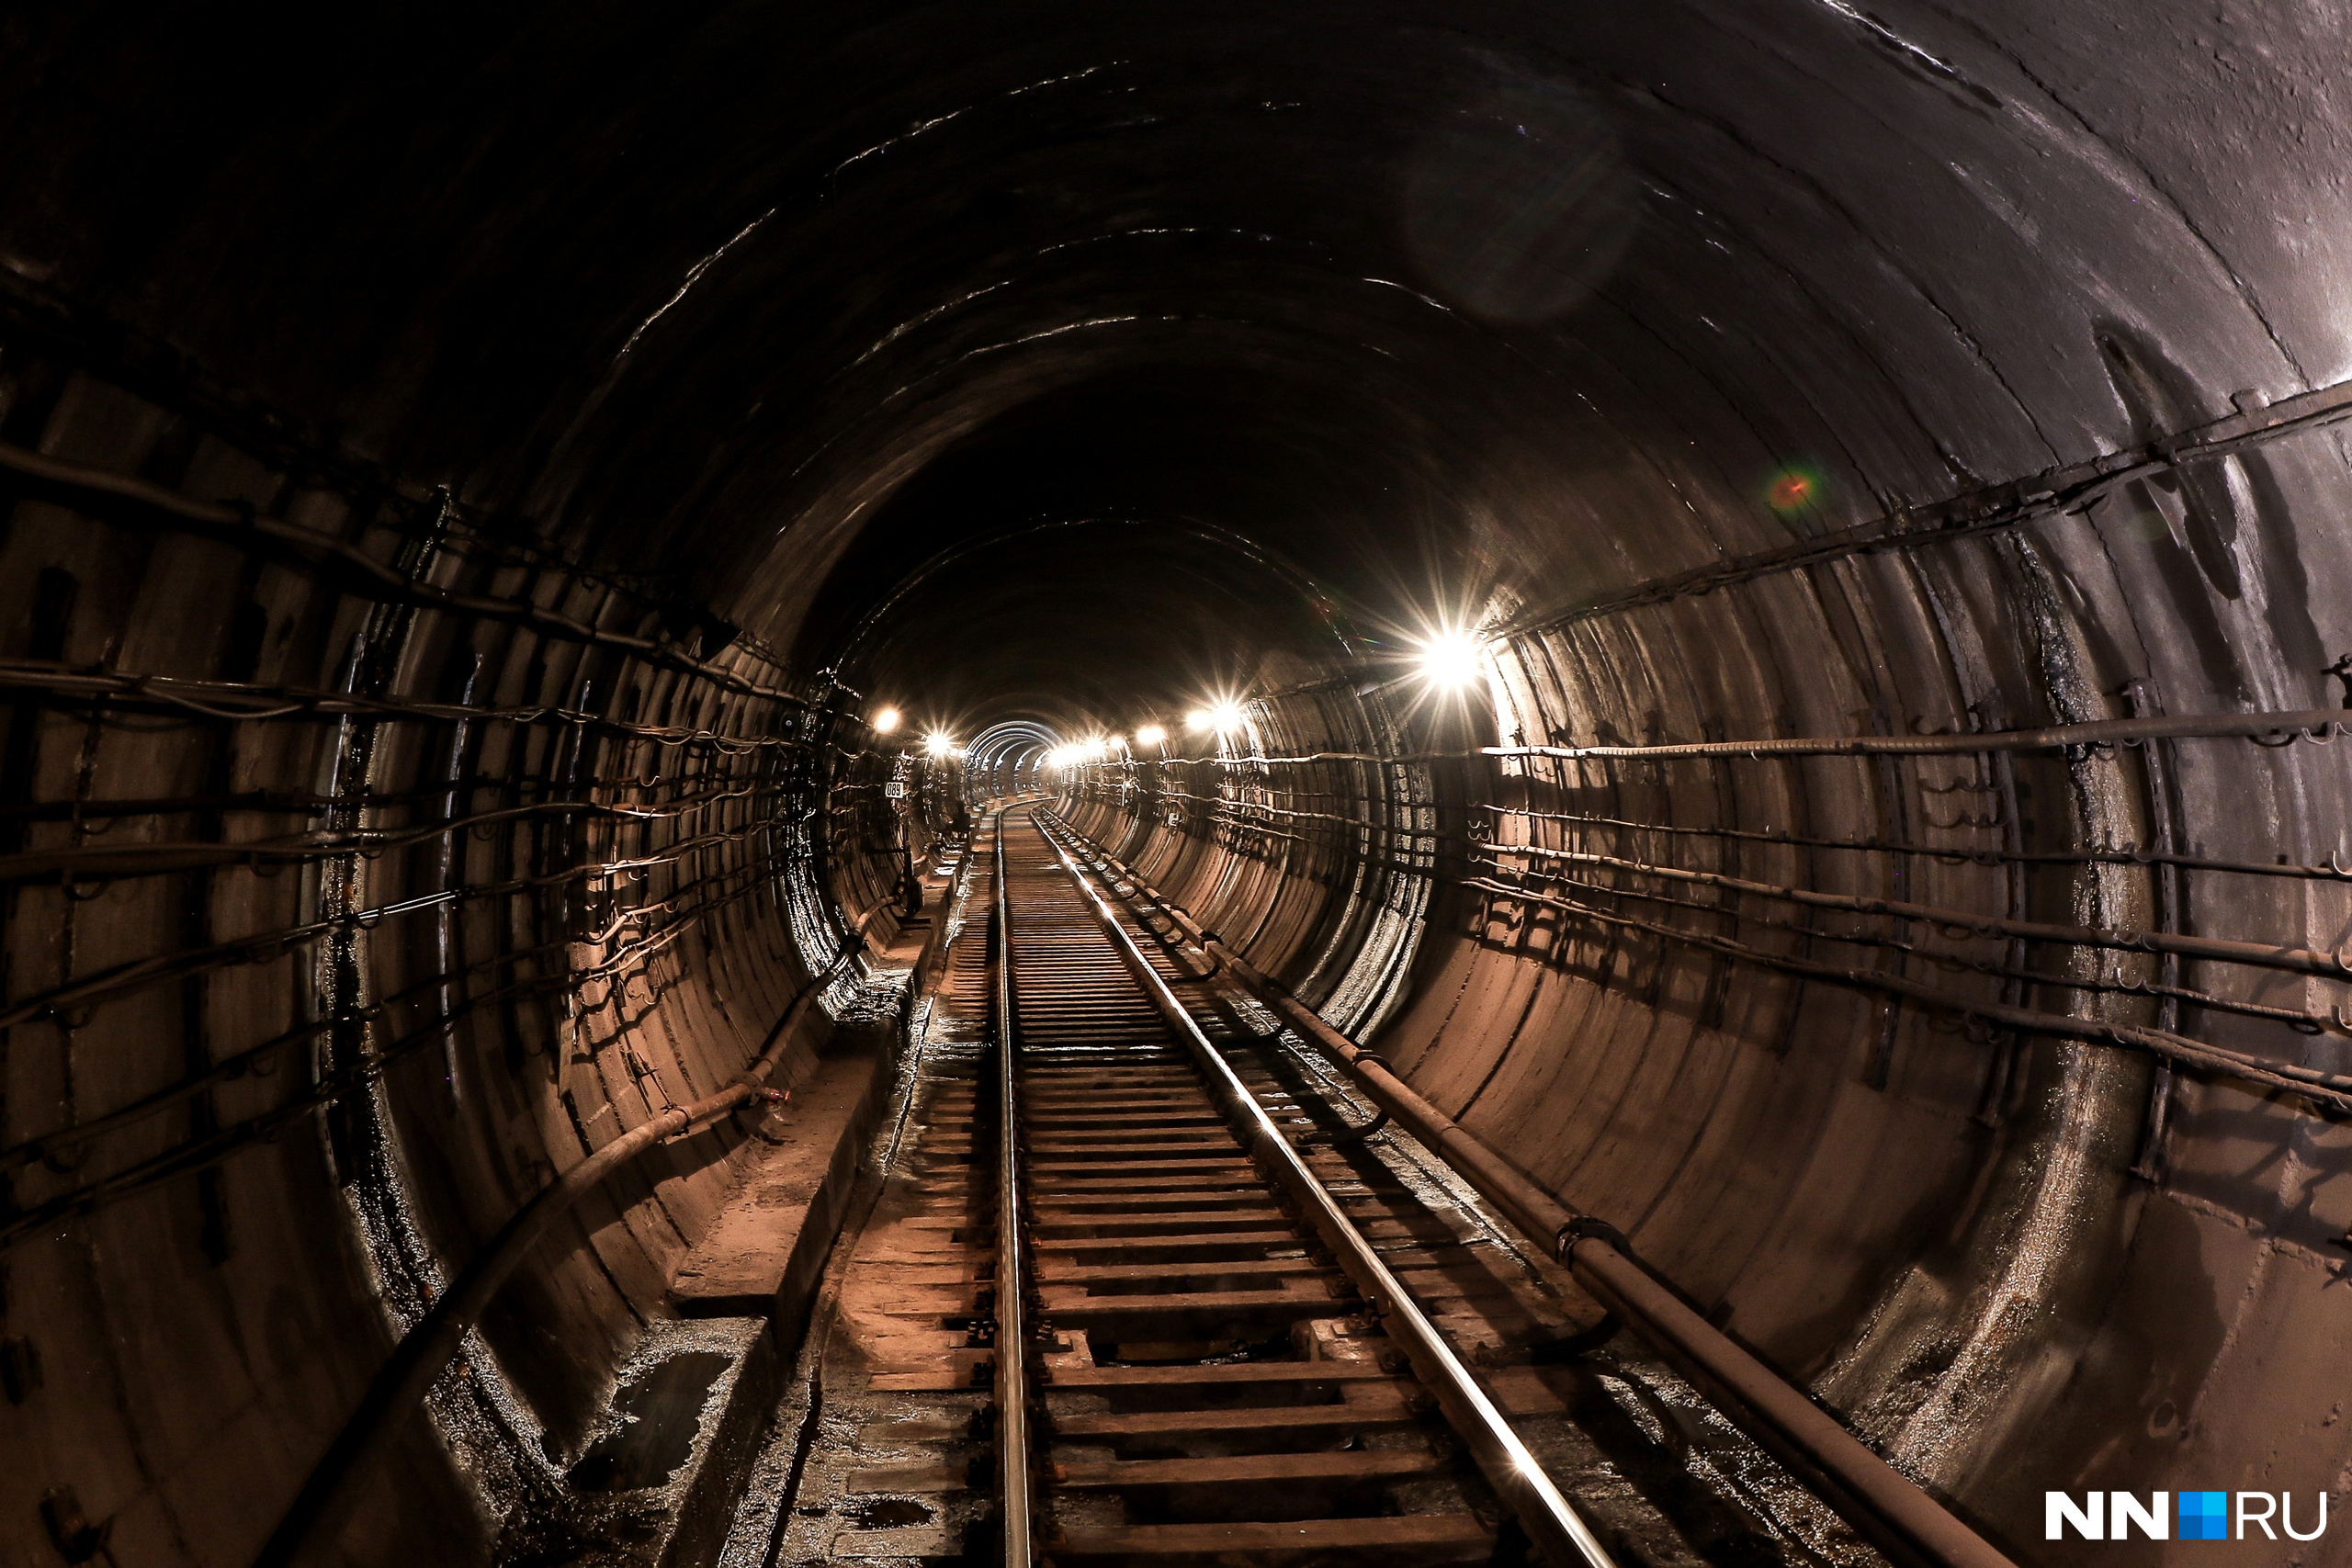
1729, 594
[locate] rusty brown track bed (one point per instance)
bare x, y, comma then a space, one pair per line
1206, 1385
1209, 1389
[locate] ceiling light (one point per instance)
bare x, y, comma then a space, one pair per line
1454, 658
939, 743
885, 721
1150, 735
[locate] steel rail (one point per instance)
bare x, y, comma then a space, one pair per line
1551, 1521
1012, 1282
408, 1375
1885, 1506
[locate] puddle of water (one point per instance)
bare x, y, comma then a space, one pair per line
660, 1414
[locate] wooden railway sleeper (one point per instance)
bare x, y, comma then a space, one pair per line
1070, 1198
1560, 1532
1887, 1507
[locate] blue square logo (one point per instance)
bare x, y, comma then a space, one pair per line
2204, 1515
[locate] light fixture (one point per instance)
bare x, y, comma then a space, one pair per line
1225, 718
885, 721
1452, 658
1198, 720
1150, 735
939, 743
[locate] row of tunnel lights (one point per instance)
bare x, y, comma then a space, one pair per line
938, 743
1223, 719
1450, 659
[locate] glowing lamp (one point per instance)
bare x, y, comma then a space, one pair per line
1454, 658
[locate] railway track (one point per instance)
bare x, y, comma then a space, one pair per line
1222, 1391
1138, 1289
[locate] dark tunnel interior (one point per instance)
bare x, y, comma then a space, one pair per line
1760, 565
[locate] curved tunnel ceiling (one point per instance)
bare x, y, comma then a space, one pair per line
766, 275
1742, 369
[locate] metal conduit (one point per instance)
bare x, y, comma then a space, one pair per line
2303, 1020
2320, 726
2050, 493
2329, 964
223, 1143
2332, 870
365, 574
93, 863
2331, 1091
1229, 812
264, 947
236, 702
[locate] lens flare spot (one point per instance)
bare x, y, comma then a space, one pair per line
1794, 490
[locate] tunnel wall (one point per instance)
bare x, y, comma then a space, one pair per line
1967, 1237
699, 298
510, 894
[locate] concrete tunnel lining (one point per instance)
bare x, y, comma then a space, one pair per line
1069, 368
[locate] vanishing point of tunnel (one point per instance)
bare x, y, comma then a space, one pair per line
1176, 784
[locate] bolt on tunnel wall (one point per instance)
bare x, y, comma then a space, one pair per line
1742, 590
